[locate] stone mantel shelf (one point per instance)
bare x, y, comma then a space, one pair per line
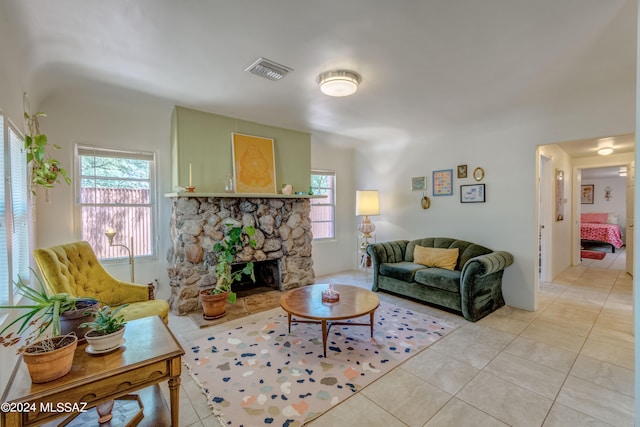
245, 195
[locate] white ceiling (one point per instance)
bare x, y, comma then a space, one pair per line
589, 147
424, 64
602, 173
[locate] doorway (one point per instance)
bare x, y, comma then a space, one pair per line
545, 218
559, 240
610, 201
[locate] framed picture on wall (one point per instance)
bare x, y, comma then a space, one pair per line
443, 182
254, 165
419, 183
586, 194
472, 193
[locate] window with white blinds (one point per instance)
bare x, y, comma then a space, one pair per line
5, 283
116, 189
19, 208
14, 212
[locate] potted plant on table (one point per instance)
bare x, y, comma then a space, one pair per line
106, 331
51, 357
214, 300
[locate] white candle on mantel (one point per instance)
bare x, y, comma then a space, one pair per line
189, 174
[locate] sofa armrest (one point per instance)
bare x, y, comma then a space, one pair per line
380, 253
387, 251
484, 265
121, 292
481, 284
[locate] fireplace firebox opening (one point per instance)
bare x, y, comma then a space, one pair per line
267, 275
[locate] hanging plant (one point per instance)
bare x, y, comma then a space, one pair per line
46, 171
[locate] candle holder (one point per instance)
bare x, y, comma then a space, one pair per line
330, 295
190, 189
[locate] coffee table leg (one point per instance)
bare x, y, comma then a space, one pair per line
289, 319
371, 321
324, 338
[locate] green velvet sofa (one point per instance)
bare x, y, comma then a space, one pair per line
473, 288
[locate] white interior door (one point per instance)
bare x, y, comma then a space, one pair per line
631, 188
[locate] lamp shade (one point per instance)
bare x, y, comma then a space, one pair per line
367, 202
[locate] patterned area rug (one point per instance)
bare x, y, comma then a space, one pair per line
592, 254
259, 374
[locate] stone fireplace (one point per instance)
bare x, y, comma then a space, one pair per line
283, 237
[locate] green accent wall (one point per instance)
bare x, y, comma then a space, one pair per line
204, 140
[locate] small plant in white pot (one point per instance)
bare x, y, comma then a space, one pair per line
106, 331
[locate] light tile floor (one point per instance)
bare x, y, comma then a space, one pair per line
570, 363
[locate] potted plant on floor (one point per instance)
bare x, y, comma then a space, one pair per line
49, 358
106, 331
214, 300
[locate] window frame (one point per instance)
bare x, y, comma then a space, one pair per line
333, 204
8, 127
152, 157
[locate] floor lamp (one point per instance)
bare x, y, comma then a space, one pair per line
367, 204
111, 233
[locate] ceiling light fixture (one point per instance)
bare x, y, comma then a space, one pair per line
339, 83
605, 146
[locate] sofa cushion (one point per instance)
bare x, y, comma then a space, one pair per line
448, 280
436, 257
404, 271
467, 250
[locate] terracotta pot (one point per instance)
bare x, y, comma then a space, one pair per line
214, 306
71, 320
105, 343
51, 365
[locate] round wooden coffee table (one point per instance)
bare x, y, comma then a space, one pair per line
306, 302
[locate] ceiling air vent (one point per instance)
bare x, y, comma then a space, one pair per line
268, 69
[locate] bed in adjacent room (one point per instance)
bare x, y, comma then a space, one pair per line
601, 228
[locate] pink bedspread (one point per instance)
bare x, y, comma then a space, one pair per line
609, 233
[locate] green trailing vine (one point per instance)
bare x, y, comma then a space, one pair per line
46, 171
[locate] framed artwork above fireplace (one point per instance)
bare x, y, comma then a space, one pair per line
254, 165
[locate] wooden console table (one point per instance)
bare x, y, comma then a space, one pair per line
150, 355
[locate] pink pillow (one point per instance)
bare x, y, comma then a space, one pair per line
594, 218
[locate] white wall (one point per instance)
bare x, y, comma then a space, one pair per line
339, 254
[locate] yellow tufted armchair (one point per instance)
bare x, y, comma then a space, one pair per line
74, 268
